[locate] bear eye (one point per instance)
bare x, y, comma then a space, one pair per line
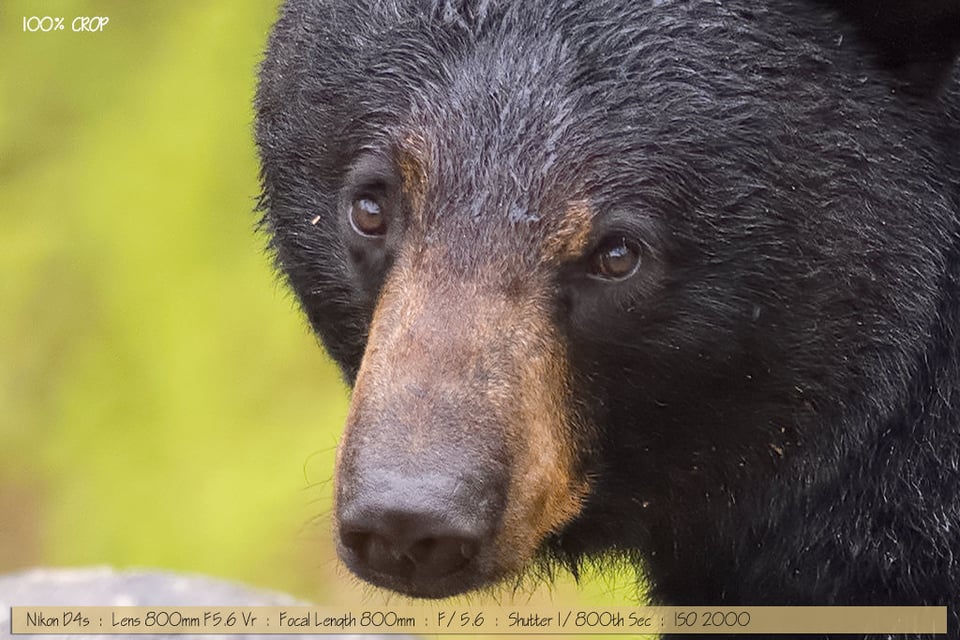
615, 259
366, 217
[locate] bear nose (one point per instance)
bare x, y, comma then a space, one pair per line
412, 527
407, 541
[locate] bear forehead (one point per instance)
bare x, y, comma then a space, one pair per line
519, 126
512, 134
490, 162
494, 161
492, 143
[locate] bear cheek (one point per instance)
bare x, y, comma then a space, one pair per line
547, 489
458, 456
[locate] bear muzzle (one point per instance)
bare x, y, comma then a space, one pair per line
457, 460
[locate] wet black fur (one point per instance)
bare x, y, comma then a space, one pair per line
777, 392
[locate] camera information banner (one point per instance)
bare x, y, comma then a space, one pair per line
476, 620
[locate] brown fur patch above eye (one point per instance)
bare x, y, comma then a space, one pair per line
569, 238
412, 164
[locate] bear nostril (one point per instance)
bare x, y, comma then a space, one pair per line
407, 545
440, 556
385, 557
378, 553
356, 541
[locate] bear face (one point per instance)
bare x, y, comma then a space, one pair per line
669, 279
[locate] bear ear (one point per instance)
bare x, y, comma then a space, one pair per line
919, 39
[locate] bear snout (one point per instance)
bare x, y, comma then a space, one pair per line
457, 461
426, 535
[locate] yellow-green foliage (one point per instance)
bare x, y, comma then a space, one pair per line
160, 394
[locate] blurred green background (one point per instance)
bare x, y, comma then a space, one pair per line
162, 403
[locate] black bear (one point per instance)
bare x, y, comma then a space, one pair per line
676, 281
